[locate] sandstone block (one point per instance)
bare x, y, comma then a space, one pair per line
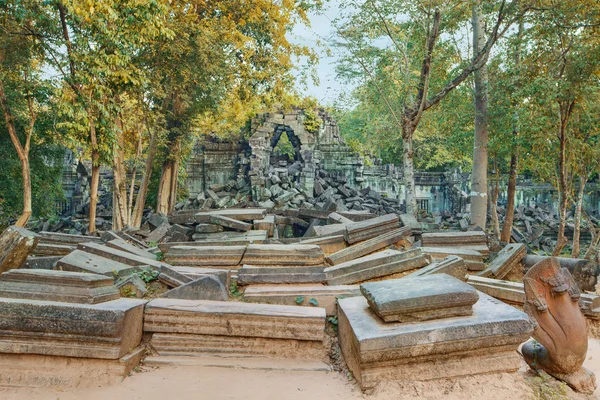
204, 288
250, 275
81, 261
15, 245
205, 255
368, 246
283, 254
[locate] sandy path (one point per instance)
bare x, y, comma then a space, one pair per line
211, 383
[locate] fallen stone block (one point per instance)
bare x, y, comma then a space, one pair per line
357, 216
301, 295
230, 238
335, 218
122, 245
202, 317
376, 265
364, 230
106, 330
368, 246
41, 262
251, 275
240, 214
283, 254
81, 261
326, 230
329, 244
266, 224
451, 265
226, 222
15, 246
198, 272
66, 239
411, 222
171, 277
121, 256
158, 234
508, 259
131, 286
208, 228
377, 351
48, 285
472, 240
204, 288
52, 249
205, 255
420, 298
473, 259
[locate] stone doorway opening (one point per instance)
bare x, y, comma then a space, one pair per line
285, 147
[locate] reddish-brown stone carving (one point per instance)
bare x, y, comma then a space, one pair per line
561, 334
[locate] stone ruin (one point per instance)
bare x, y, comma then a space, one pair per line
230, 287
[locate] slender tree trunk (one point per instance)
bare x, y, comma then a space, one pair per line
138, 155
164, 187
578, 209
95, 174
140, 201
562, 179
120, 211
480, 154
409, 169
494, 202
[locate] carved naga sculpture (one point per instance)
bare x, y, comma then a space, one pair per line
561, 334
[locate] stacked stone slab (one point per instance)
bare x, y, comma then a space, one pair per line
329, 244
195, 256
368, 246
375, 351
451, 265
184, 327
473, 259
472, 240
364, 230
15, 245
383, 263
48, 285
258, 275
508, 259
279, 254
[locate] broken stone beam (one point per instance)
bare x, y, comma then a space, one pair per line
584, 272
111, 235
232, 238
122, 245
283, 254
420, 298
329, 244
485, 342
473, 259
208, 228
182, 217
451, 265
234, 319
66, 239
368, 246
81, 261
514, 293
266, 224
226, 222
15, 246
205, 255
410, 221
302, 295
240, 214
326, 230
106, 330
507, 260
53, 249
158, 234
203, 288
387, 262
313, 214
63, 286
335, 218
41, 262
121, 256
364, 230
252, 275
473, 240
357, 216
198, 272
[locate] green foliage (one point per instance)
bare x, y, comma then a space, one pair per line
313, 302
333, 321
234, 288
312, 122
284, 147
299, 300
148, 275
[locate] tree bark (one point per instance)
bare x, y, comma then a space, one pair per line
479, 187
409, 172
578, 209
95, 174
120, 211
140, 201
164, 187
494, 203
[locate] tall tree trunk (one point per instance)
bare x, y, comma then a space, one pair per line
138, 155
95, 174
140, 202
480, 154
565, 112
494, 202
164, 187
120, 211
578, 208
409, 169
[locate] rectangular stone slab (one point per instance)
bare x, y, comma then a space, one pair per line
205, 255
484, 342
451, 265
251, 275
370, 228
241, 214
122, 245
473, 259
420, 298
223, 221
301, 295
15, 246
234, 319
67, 239
368, 246
48, 285
329, 244
283, 254
53, 249
41, 262
106, 330
266, 224
508, 258
121, 256
230, 238
197, 272
79, 261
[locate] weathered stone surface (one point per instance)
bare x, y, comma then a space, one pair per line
234, 319
15, 245
472, 240
364, 230
368, 246
301, 295
107, 330
230, 238
121, 256
34, 370
205, 255
226, 222
584, 272
208, 228
81, 261
473, 259
122, 245
52, 249
451, 265
240, 214
251, 275
158, 234
508, 258
283, 254
198, 272
329, 244
326, 230
48, 285
420, 299
410, 221
66, 239
377, 351
376, 265
171, 277
552, 301
204, 288
41, 262
335, 218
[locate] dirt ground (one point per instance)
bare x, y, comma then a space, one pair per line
213, 383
